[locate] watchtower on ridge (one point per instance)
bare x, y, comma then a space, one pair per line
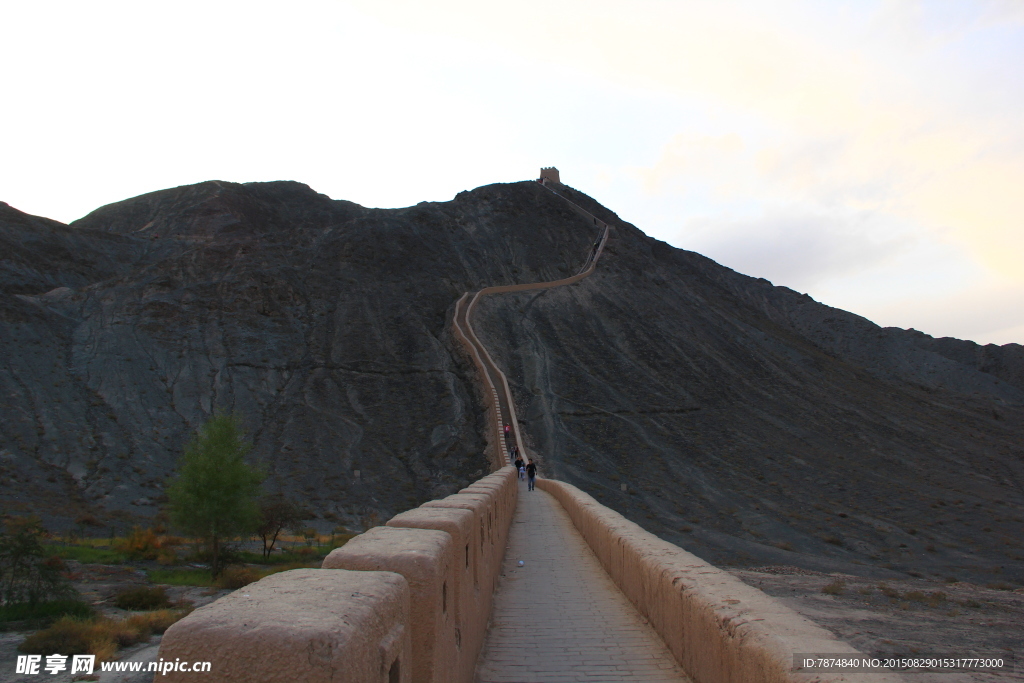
550, 173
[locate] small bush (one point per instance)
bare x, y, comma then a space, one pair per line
69, 636
835, 588
122, 631
1000, 586
235, 577
142, 598
888, 592
916, 596
160, 620
100, 637
167, 557
28, 573
140, 544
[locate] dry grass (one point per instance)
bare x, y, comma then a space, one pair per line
100, 637
235, 577
835, 588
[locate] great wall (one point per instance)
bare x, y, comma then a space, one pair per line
412, 601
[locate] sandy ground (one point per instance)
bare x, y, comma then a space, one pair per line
914, 617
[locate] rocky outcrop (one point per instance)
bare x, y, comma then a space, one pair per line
750, 424
321, 323
743, 421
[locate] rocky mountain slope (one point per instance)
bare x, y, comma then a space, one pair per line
745, 422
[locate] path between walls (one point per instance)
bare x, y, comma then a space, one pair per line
496, 389
560, 617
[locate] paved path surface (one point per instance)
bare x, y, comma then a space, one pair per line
560, 617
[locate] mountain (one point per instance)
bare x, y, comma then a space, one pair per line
743, 421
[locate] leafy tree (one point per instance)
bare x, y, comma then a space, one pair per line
276, 514
27, 573
214, 495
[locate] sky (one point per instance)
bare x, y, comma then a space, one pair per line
869, 153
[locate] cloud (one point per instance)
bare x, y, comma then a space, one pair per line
793, 248
988, 313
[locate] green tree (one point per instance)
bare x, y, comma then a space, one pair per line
214, 496
27, 573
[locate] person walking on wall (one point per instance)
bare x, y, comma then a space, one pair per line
531, 474
519, 468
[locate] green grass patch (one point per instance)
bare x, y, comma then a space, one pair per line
88, 554
181, 577
50, 610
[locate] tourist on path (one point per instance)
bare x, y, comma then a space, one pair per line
531, 473
519, 468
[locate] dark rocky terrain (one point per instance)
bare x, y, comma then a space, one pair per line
746, 422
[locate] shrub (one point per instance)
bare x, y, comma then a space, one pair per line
835, 588
167, 557
122, 631
160, 620
142, 598
889, 592
69, 636
140, 544
235, 577
1000, 586
27, 572
100, 637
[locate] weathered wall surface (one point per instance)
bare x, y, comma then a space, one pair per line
304, 625
403, 603
718, 628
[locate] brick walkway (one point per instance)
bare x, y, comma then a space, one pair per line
560, 617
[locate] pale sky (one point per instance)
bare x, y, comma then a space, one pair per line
869, 153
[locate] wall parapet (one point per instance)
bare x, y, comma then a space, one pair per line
404, 603
718, 628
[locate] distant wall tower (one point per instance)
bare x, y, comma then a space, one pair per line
550, 173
